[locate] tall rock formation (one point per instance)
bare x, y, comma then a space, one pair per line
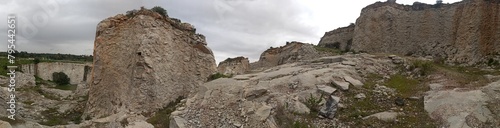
234, 66
291, 52
465, 32
144, 61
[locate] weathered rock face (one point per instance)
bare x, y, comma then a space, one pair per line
144, 62
340, 38
76, 72
291, 52
235, 66
465, 32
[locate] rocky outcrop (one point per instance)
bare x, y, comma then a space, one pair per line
291, 52
234, 66
77, 72
340, 38
257, 100
145, 61
465, 32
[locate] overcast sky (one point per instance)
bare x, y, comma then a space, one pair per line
232, 27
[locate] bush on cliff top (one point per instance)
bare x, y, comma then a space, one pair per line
160, 10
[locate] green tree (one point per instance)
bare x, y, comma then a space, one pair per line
60, 78
36, 61
160, 10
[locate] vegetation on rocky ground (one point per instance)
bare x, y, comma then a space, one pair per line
161, 119
160, 10
217, 76
286, 119
329, 51
54, 117
13, 122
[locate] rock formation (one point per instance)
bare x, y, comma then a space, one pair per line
340, 38
144, 61
465, 32
234, 66
291, 52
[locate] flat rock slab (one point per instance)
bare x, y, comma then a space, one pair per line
328, 60
326, 90
241, 77
455, 106
354, 82
342, 85
384, 116
350, 63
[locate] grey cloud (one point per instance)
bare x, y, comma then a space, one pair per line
232, 27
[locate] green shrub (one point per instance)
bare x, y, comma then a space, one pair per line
161, 118
492, 62
160, 10
313, 103
131, 13
60, 78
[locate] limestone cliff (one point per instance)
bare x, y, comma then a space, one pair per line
340, 38
144, 61
76, 72
234, 66
465, 32
291, 52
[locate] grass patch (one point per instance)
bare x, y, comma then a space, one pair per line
406, 87
66, 87
422, 68
466, 76
53, 117
28, 102
161, 119
414, 113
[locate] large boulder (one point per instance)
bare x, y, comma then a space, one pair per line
145, 61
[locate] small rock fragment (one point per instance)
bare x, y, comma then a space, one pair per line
360, 96
341, 84
326, 90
